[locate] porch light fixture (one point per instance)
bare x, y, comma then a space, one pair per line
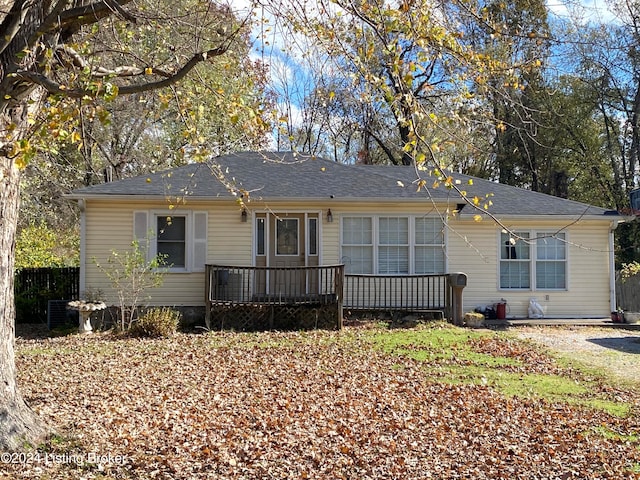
243, 215
329, 216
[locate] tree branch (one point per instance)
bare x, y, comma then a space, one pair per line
70, 21
100, 72
56, 88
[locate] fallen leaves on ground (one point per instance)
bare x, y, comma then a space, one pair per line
322, 405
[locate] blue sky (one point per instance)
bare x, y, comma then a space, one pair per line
592, 10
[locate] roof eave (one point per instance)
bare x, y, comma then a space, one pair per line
532, 217
330, 198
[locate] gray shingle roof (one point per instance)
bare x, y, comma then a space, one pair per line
285, 175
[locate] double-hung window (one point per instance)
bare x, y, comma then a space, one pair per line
357, 244
551, 261
180, 239
533, 261
389, 245
393, 245
429, 245
172, 240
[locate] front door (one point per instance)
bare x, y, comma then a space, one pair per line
288, 240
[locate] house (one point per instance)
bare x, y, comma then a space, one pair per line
265, 210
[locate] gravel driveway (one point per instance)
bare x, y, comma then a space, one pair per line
612, 349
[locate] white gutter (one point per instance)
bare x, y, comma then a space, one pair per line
612, 266
83, 245
338, 201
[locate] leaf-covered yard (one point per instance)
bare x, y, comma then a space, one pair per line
434, 402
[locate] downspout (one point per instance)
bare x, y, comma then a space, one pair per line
83, 246
612, 267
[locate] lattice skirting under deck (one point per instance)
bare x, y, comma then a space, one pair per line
274, 317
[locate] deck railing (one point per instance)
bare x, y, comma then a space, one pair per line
228, 284
258, 298
272, 297
423, 293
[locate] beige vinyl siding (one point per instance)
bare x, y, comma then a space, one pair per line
330, 239
473, 249
109, 227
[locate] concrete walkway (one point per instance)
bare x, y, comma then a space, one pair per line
558, 322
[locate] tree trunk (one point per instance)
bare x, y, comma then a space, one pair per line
18, 423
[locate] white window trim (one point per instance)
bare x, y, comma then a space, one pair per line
191, 242
533, 260
375, 238
153, 246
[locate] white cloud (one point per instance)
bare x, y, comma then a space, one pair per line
582, 12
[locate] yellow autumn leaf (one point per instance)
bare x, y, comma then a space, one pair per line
20, 162
477, 218
148, 71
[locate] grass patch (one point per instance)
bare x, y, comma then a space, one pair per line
613, 435
495, 359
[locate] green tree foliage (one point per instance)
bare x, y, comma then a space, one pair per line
40, 246
518, 96
608, 66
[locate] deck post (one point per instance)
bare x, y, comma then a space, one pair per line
457, 282
207, 297
339, 289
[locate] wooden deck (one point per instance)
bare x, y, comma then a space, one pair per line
264, 298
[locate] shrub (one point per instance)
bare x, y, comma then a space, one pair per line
131, 275
156, 322
629, 270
